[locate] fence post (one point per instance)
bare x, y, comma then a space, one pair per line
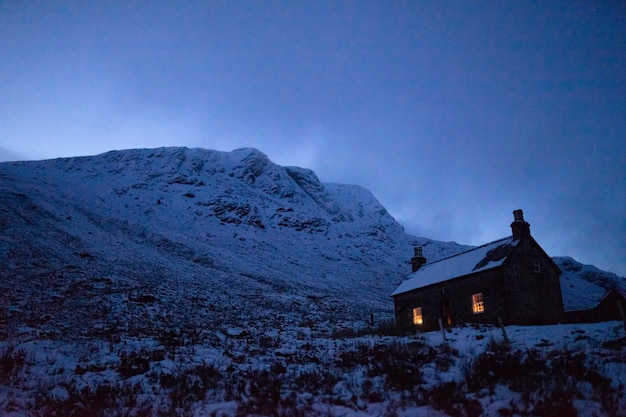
443, 332
506, 338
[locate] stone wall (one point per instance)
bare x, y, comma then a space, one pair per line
532, 297
456, 297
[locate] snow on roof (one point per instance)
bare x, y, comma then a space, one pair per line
490, 255
579, 294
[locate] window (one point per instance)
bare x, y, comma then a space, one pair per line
417, 316
478, 306
536, 265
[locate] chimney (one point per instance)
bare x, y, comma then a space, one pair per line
418, 259
520, 227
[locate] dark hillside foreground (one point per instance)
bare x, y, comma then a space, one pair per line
561, 370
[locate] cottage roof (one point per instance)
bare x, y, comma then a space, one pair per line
588, 296
481, 258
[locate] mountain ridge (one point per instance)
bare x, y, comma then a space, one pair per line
169, 224
160, 221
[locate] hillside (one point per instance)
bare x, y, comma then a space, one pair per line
149, 270
193, 230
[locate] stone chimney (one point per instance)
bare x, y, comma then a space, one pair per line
520, 227
418, 259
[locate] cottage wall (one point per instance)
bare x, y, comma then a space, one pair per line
452, 301
532, 286
490, 285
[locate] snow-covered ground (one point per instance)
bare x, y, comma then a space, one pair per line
229, 371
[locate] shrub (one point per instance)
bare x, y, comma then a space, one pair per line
261, 393
102, 400
317, 381
11, 361
400, 363
133, 364
190, 386
447, 397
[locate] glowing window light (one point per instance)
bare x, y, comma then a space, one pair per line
478, 306
417, 316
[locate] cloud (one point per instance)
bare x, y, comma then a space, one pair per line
9, 155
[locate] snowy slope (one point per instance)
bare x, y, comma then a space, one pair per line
172, 223
179, 281
583, 286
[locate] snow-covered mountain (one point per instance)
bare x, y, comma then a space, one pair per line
582, 286
195, 229
196, 232
179, 281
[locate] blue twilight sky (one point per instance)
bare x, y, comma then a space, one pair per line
452, 113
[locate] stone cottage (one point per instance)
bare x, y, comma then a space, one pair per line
511, 278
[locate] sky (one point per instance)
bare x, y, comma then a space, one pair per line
452, 113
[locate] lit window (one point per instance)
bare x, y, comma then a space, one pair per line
417, 316
536, 265
477, 303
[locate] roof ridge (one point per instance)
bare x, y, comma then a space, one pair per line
483, 257
467, 251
